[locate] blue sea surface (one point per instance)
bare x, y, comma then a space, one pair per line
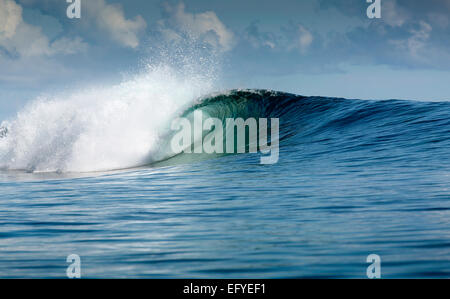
354, 178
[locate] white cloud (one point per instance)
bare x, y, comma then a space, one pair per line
111, 19
416, 44
293, 37
20, 38
393, 14
66, 45
297, 37
418, 39
204, 26
304, 39
10, 18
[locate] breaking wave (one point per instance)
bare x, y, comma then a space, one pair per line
128, 125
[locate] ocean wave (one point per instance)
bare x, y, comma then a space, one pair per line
128, 125
102, 128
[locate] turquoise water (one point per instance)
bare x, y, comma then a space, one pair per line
354, 178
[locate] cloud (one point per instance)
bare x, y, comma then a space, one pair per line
303, 38
19, 38
410, 34
396, 12
10, 18
99, 19
205, 27
291, 37
111, 19
260, 39
419, 37
393, 14
67, 46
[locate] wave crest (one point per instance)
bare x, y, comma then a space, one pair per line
101, 128
129, 125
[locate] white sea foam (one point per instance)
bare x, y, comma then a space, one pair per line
101, 128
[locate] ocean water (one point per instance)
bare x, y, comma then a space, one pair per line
90, 175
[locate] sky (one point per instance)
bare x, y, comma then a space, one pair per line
308, 47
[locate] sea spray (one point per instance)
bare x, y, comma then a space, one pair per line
102, 128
